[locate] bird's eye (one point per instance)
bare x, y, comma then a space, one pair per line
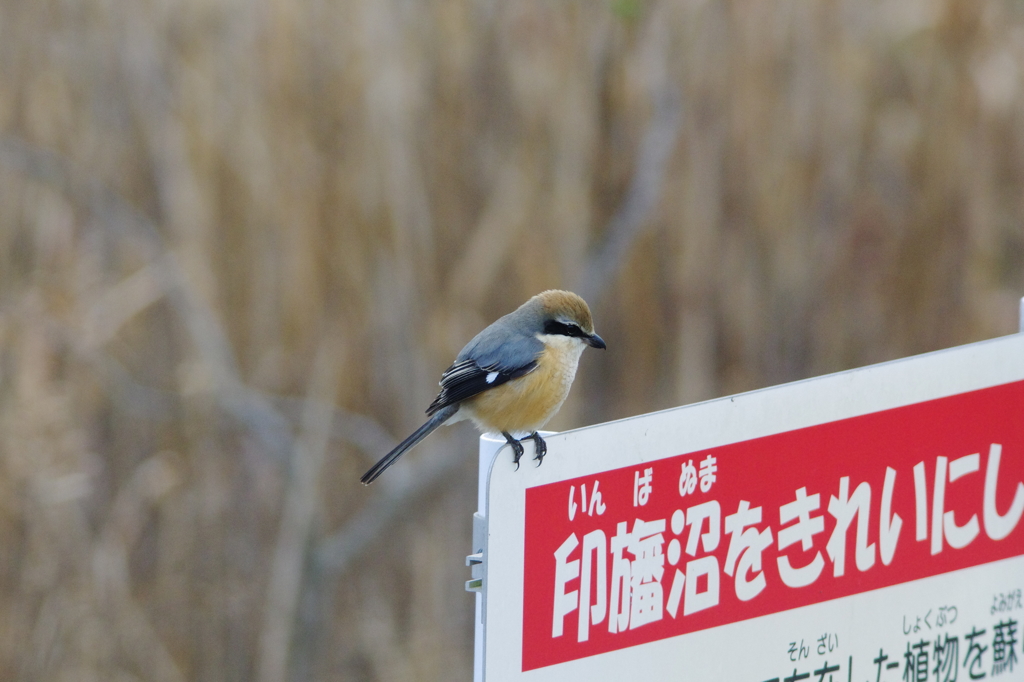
556, 327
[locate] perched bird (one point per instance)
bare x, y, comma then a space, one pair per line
513, 376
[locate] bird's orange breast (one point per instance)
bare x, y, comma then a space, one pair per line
527, 403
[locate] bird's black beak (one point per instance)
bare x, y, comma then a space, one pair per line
595, 341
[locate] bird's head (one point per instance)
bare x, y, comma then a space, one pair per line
563, 313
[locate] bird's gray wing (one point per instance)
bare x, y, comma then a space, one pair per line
494, 357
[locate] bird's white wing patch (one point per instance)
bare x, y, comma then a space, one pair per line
491, 376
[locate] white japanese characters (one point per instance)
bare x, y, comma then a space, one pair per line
637, 597
687, 479
637, 571
803, 531
708, 467
642, 486
745, 546
944, 528
596, 504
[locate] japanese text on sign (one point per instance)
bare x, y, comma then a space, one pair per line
703, 539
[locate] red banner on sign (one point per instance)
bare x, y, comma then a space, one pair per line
691, 542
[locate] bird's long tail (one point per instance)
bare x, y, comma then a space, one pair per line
438, 418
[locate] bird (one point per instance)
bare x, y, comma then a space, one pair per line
513, 376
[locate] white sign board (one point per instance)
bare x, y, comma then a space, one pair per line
862, 526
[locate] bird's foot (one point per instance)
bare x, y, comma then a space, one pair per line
541, 446
517, 447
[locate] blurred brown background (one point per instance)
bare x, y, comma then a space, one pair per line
239, 242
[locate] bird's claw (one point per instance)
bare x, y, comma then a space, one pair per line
541, 447
517, 448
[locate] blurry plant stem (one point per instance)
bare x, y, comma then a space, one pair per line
404, 490
297, 515
656, 146
138, 640
627, 223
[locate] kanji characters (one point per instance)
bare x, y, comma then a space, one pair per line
565, 570
595, 554
1004, 640
946, 658
826, 669
915, 660
634, 572
637, 596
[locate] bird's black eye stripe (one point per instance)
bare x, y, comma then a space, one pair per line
556, 327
